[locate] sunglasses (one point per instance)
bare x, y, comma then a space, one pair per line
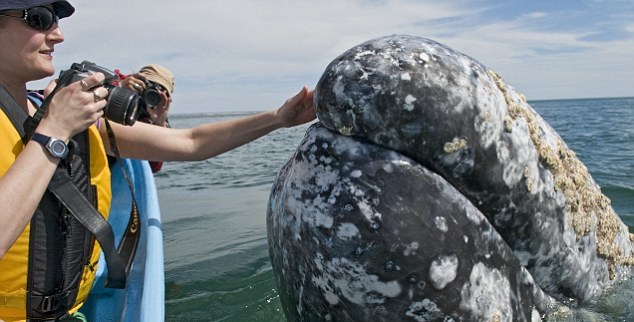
40, 18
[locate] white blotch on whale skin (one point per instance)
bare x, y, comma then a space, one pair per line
325, 177
524, 153
410, 249
322, 282
489, 121
512, 171
363, 53
325, 160
424, 57
409, 100
356, 191
339, 89
320, 219
298, 308
406, 76
347, 231
351, 281
396, 163
389, 168
424, 310
356, 174
473, 215
441, 223
367, 211
314, 211
487, 294
329, 295
443, 270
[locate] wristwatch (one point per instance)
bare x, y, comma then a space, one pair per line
56, 147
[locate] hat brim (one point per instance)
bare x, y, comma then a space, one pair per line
62, 9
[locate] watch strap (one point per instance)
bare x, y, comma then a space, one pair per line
51, 144
40, 138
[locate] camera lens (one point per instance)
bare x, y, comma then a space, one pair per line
122, 106
151, 97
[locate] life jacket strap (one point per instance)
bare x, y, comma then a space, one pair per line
77, 204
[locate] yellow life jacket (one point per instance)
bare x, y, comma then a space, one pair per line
14, 266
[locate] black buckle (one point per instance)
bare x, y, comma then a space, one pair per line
51, 303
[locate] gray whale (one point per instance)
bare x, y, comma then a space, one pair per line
431, 190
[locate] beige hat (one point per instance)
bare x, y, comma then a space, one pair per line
160, 75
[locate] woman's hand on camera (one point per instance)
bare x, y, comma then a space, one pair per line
74, 107
135, 82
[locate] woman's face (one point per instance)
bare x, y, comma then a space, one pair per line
26, 54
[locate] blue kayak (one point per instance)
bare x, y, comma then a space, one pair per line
143, 298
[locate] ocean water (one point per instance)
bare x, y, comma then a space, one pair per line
214, 212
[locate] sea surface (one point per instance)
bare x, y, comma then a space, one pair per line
217, 264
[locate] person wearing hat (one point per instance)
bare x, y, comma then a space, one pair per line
47, 258
160, 78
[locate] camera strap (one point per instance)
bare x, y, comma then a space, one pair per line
130, 240
41, 109
119, 261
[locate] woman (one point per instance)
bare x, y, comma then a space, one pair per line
162, 81
28, 35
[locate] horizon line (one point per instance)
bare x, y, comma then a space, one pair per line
250, 112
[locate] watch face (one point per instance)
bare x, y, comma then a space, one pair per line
58, 147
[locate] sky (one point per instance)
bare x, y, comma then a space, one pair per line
251, 55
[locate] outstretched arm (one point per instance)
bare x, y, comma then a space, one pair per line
143, 141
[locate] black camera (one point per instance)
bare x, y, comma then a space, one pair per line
151, 95
123, 105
